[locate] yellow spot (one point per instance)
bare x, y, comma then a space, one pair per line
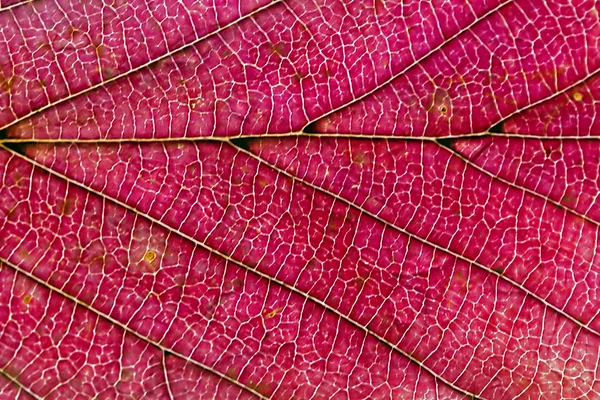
443, 109
273, 313
150, 256
577, 96
27, 299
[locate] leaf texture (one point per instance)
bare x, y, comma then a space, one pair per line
274, 72
53, 50
511, 60
330, 199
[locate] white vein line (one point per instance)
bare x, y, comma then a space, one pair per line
20, 3
415, 237
389, 137
126, 328
245, 267
141, 66
19, 385
166, 372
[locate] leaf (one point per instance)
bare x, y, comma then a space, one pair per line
330, 199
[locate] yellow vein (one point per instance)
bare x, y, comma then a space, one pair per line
342, 135
19, 385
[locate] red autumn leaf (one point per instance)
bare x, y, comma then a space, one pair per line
299, 199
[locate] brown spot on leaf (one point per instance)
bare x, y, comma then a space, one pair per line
126, 374
6, 83
67, 207
232, 373
569, 200
360, 158
278, 49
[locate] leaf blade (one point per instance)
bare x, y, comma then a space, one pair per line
70, 47
239, 242
231, 84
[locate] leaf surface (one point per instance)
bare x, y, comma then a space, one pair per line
55, 49
523, 54
273, 72
323, 199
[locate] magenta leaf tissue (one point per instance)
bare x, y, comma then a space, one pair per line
299, 199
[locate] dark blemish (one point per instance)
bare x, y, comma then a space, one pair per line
379, 7
262, 183
351, 217
360, 158
242, 143
126, 374
311, 128
109, 73
6, 84
446, 142
498, 270
3, 134
549, 149
272, 313
82, 122
568, 200
443, 109
233, 286
498, 128
17, 147
232, 373
259, 387
210, 308
11, 212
